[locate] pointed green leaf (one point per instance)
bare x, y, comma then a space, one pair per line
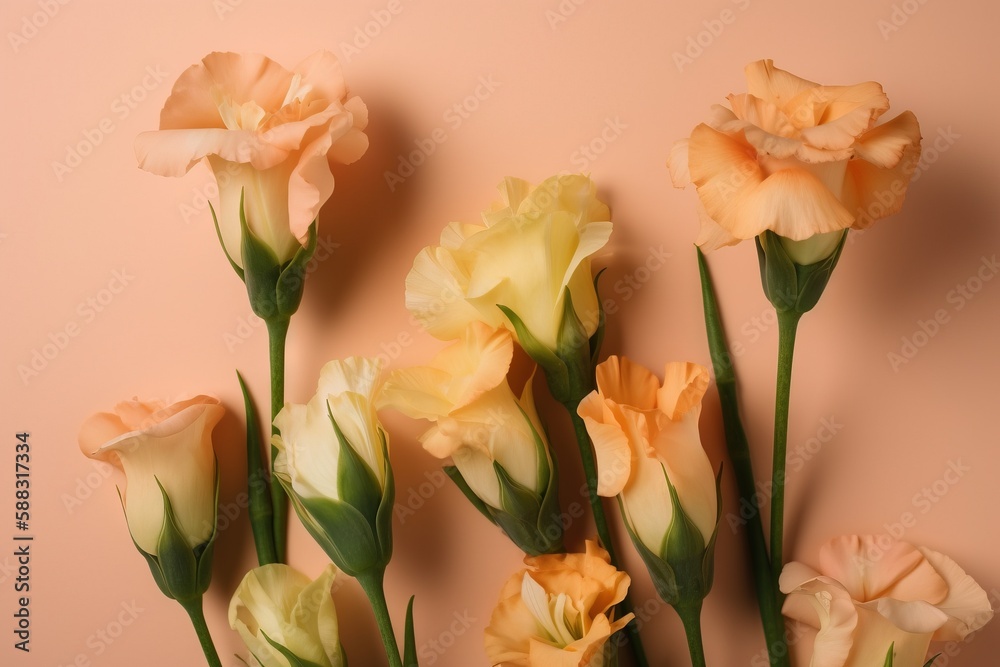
467, 491
215, 219
258, 487
889, 655
293, 660
292, 280
410, 641
722, 363
175, 557
930, 662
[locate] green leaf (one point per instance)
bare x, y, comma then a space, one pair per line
258, 487
291, 281
293, 660
410, 641
218, 232
467, 491
556, 373
930, 662
175, 558
889, 655
573, 348
357, 484
722, 363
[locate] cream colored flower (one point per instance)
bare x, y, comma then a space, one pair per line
276, 603
309, 455
264, 130
159, 445
872, 592
802, 160
559, 612
533, 246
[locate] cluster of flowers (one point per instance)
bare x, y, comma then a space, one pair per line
790, 164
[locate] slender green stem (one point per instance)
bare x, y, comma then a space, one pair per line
788, 322
277, 331
197, 614
372, 583
739, 454
603, 530
691, 618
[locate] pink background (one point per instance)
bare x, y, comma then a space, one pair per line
179, 325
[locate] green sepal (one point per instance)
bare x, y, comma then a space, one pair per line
383, 519
467, 491
180, 573
790, 286
813, 278
410, 639
291, 281
178, 566
556, 373
930, 662
889, 655
218, 232
204, 553
683, 571
293, 660
518, 516
154, 566
260, 270
341, 531
258, 486
275, 289
574, 348
357, 484
597, 340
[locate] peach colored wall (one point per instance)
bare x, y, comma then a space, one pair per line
564, 74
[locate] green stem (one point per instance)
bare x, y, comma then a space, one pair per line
603, 530
372, 584
277, 332
691, 618
739, 454
197, 614
788, 322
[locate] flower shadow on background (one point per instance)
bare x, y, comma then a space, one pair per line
361, 215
